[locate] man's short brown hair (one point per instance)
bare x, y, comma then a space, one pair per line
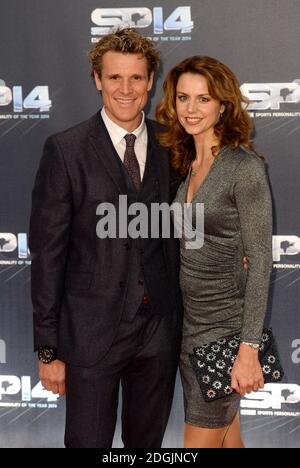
126, 41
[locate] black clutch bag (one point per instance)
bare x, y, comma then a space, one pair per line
213, 363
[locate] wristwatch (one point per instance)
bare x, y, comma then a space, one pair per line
46, 354
252, 345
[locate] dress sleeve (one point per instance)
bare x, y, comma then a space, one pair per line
254, 204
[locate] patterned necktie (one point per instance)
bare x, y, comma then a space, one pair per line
131, 162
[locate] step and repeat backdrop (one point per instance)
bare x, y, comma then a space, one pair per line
45, 87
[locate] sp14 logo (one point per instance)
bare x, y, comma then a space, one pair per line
9, 243
13, 385
107, 19
37, 98
264, 96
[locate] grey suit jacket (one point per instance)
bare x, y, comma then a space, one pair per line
78, 280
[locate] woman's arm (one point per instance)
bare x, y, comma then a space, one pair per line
253, 201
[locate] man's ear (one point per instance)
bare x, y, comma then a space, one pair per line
150, 82
97, 81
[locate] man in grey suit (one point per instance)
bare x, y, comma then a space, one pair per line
107, 310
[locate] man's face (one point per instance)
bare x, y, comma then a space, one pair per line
124, 83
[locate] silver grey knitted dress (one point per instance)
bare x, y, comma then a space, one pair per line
219, 297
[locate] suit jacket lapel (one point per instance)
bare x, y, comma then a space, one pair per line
105, 151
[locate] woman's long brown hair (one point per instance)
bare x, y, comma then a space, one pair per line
233, 129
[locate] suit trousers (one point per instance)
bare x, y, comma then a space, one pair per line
143, 358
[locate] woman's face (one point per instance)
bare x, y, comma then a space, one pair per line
197, 111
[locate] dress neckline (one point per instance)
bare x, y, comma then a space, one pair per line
213, 164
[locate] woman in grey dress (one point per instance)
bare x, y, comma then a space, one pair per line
208, 133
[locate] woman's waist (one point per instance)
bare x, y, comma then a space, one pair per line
212, 258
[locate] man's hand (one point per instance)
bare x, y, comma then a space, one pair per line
52, 376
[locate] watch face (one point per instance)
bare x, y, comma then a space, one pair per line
46, 354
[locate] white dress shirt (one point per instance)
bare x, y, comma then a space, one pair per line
117, 135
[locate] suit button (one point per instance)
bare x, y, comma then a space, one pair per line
122, 284
141, 282
127, 246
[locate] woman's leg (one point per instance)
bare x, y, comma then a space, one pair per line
233, 438
224, 437
200, 437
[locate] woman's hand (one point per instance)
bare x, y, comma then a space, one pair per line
246, 375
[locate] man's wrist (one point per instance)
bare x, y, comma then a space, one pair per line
47, 354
